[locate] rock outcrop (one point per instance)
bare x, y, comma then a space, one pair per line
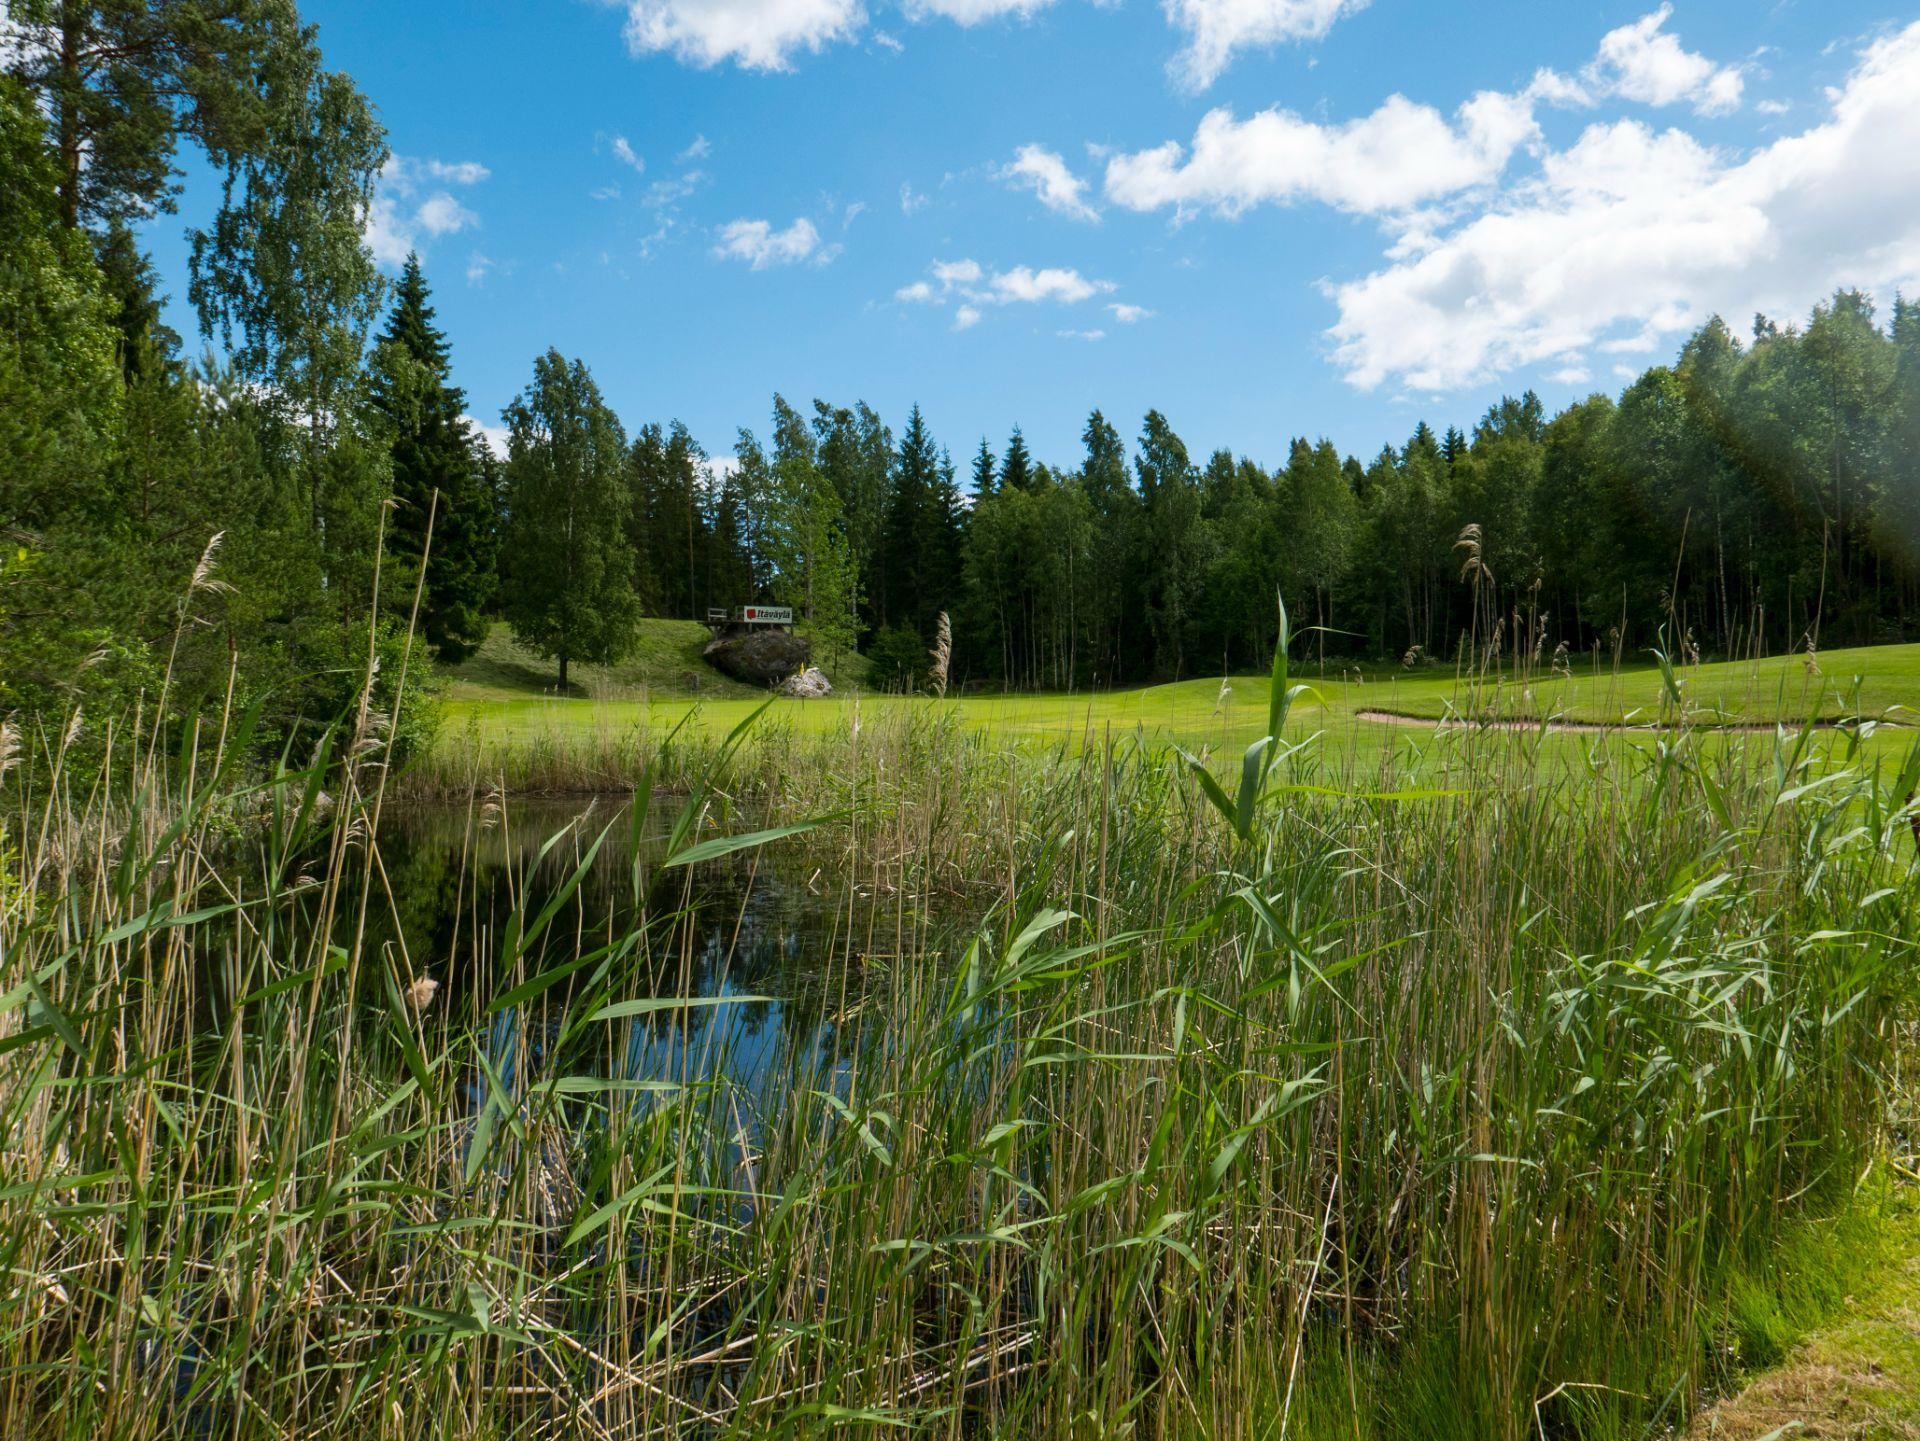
759, 657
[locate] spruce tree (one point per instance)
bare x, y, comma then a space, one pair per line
916, 474
1016, 471
433, 452
984, 480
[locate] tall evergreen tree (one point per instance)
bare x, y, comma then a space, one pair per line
121, 82
916, 478
1016, 471
435, 477
984, 472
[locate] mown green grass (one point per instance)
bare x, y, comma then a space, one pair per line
490, 715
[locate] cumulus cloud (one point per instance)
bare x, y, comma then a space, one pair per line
495, 436
971, 286
1040, 170
1129, 314
971, 12
1402, 155
761, 246
1643, 62
1405, 154
772, 34
1215, 29
1631, 237
408, 210
753, 34
1029, 287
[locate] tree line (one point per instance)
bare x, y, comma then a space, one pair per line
256, 529
1753, 497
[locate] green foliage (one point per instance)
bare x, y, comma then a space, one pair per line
568, 580
121, 82
898, 661
437, 473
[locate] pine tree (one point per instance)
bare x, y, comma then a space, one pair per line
120, 83
568, 580
435, 477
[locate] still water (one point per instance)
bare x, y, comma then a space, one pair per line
770, 922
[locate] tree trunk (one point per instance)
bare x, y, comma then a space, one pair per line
68, 106
563, 670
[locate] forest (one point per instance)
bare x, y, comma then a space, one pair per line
298, 459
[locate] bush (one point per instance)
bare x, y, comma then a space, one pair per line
897, 660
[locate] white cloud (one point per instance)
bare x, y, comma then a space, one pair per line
971, 12
957, 272
1081, 334
624, 152
443, 215
698, 150
1029, 287
910, 201
1215, 29
1043, 172
478, 266
494, 435
972, 287
1129, 314
1643, 62
753, 34
1773, 107
459, 172
761, 246
1631, 237
1402, 155
401, 219
606, 192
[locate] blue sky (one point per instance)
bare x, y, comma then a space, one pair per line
1267, 218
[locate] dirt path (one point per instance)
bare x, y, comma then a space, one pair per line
1563, 727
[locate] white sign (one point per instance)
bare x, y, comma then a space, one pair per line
767, 614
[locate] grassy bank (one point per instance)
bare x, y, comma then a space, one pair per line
1344, 1105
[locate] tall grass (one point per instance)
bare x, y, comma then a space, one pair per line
1332, 1101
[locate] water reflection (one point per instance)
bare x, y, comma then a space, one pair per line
762, 923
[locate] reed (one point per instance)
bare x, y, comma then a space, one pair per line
1380, 1094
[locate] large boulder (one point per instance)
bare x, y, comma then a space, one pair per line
759, 657
809, 684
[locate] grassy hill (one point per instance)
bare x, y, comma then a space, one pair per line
665, 666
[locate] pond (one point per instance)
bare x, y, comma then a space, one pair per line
775, 923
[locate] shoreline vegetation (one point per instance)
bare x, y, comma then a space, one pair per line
1451, 1092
